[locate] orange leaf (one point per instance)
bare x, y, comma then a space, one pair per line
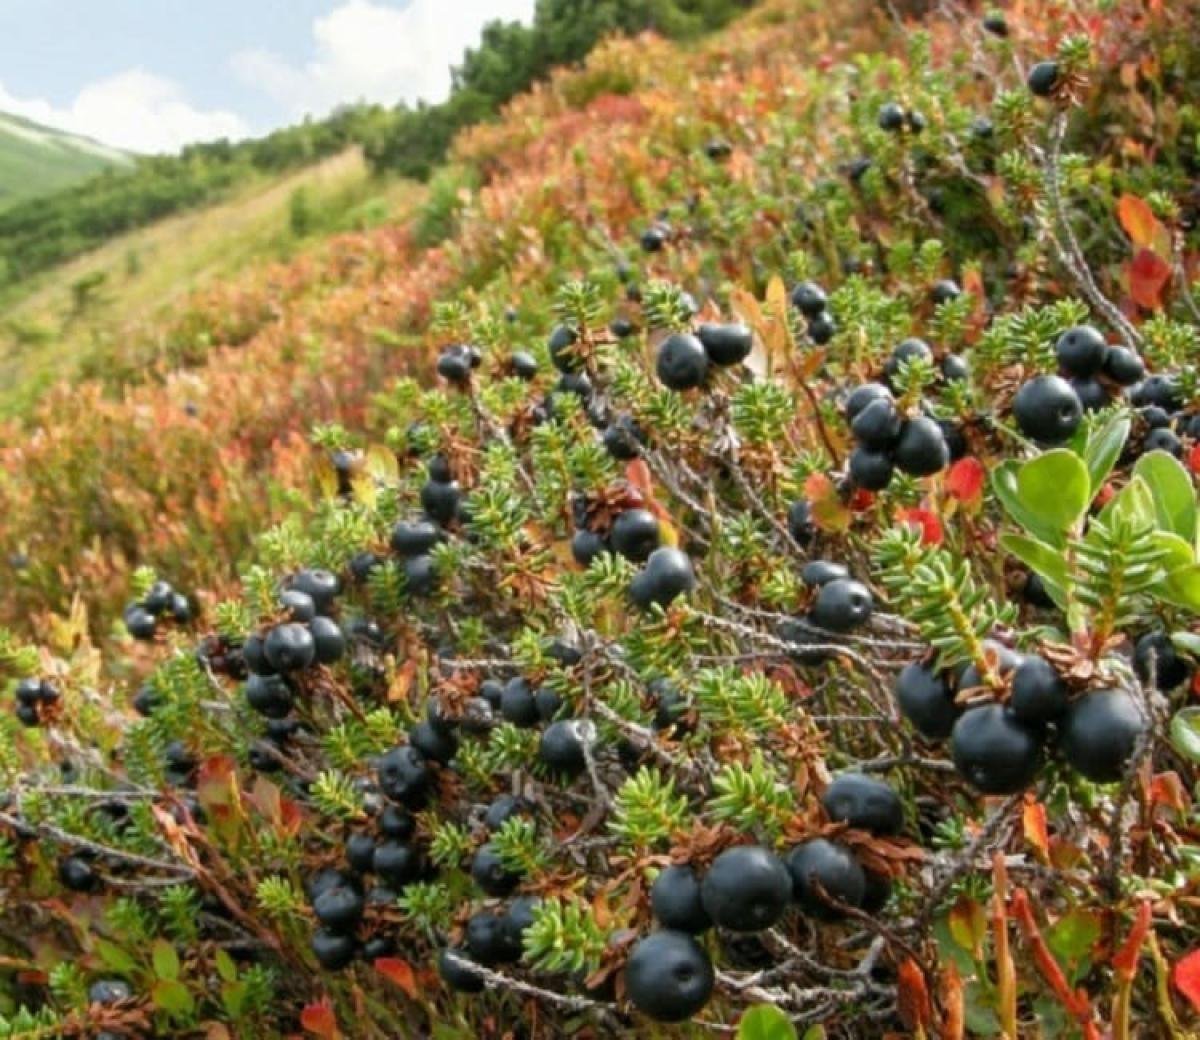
319, 1020
1139, 221
398, 971
828, 511
1035, 828
913, 1002
1148, 276
1186, 976
1167, 789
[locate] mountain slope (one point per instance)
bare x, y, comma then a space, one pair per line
36, 159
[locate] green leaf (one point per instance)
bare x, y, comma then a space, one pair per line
815, 1033
1073, 935
765, 1022
1178, 552
1133, 504
234, 996
225, 966
1055, 488
1104, 448
116, 958
172, 997
1042, 558
1185, 733
1172, 493
166, 960
1004, 484
1182, 587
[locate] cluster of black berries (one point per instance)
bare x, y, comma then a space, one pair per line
747, 889
162, 602
456, 363
895, 118
1164, 422
887, 440
810, 300
1048, 408
684, 358
35, 699
441, 495
998, 747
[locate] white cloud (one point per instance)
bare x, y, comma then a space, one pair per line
135, 110
368, 51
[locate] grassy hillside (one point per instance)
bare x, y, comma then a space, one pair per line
725, 565
36, 160
103, 314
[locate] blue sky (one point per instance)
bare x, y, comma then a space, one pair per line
152, 75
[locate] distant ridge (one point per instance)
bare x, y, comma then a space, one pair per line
36, 159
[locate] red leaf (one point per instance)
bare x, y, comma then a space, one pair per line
1148, 276
319, 1020
1139, 221
1186, 977
964, 480
1194, 458
398, 971
924, 521
1124, 961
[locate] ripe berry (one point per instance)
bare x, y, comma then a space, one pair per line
517, 921
1099, 733
158, 598
454, 365
654, 238
1043, 78
1047, 409
109, 991
503, 807
746, 889
800, 523
1163, 440
333, 951
994, 752
562, 339
809, 299
1038, 693
726, 344
816, 573
360, 853
670, 708
955, 368
562, 747
1161, 390
269, 695
668, 976
146, 700
485, 938
870, 470
945, 290
524, 365
415, 537
1154, 655
1002, 659
666, 575
289, 647
420, 576
404, 776
635, 534
922, 450
1154, 417
548, 703
818, 865
717, 149
299, 605
906, 352
891, 117
586, 546
396, 863
395, 822
490, 873
861, 396
454, 968
841, 605
437, 745
878, 425
822, 328
995, 24
865, 803
1081, 350
675, 900
140, 622
440, 499
378, 946
518, 704
1123, 366
623, 439
681, 363
339, 908
77, 874
1091, 393
622, 328
329, 642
